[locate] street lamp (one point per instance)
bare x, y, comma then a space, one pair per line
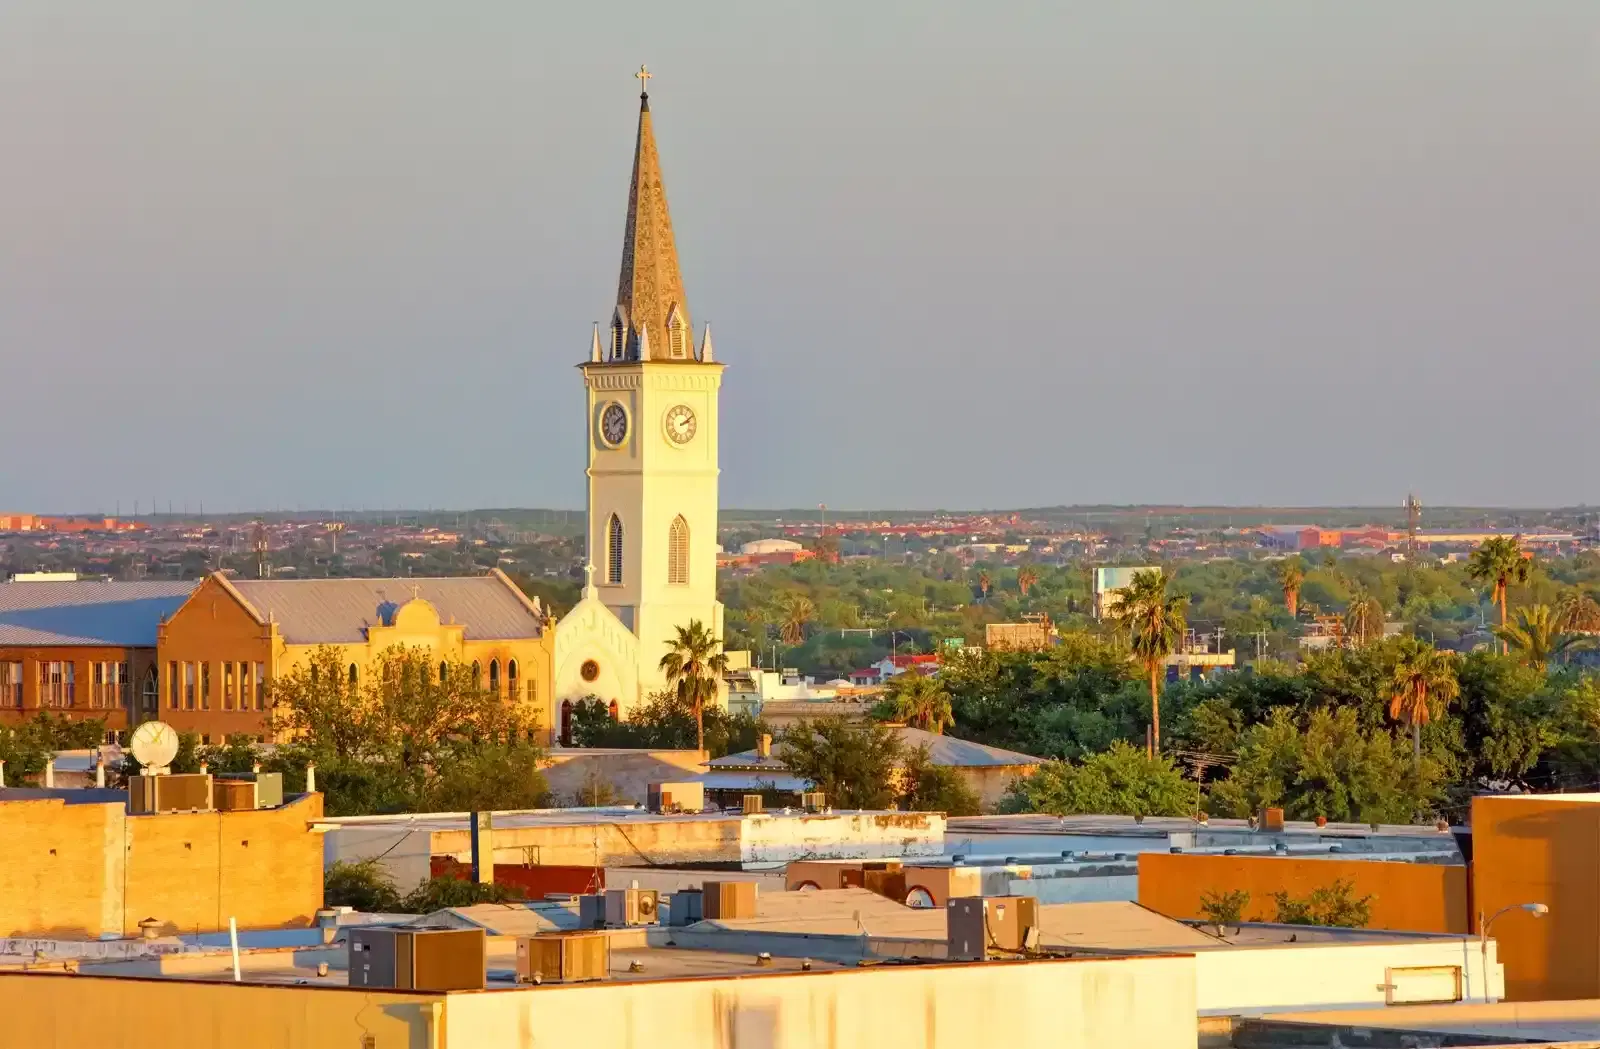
1538, 910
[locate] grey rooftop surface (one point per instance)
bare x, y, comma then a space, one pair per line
339, 611
87, 612
942, 750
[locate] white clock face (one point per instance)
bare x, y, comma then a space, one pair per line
680, 424
613, 424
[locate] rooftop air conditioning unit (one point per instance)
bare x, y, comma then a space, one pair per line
753, 804
728, 899
814, 801
592, 911
267, 787
984, 927
563, 957
685, 907
417, 959
184, 792
632, 907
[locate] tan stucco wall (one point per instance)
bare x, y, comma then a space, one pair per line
1074, 1004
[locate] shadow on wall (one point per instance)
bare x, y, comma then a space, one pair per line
1550, 857
750, 1027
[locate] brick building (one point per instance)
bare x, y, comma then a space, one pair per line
82, 649
232, 636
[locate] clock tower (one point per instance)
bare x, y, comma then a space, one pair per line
651, 414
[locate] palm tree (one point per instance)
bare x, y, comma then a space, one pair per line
1363, 620
1153, 621
984, 582
1027, 575
1290, 575
694, 663
797, 611
921, 701
1499, 561
1577, 611
1538, 636
1424, 678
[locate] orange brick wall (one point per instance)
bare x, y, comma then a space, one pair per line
213, 628
1416, 897
192, 871
89, 870
53, 870
1535, 849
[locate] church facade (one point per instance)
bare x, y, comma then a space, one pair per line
651, 420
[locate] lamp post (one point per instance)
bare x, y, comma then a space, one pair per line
1538, 910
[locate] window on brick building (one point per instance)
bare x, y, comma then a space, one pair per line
11, 683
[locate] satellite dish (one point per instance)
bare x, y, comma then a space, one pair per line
154, 745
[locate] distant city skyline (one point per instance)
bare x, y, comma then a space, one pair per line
956, 257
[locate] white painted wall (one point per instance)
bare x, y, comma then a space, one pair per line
1071, 1004
845, 836
1248, 980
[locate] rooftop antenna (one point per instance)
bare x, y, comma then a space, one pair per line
1413, 508
154, 745
259, 542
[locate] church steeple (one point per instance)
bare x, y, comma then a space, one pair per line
651, 321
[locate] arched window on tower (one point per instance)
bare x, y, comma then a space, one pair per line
614, 550
677, 335
678, 552
511, 679
619, 336
494, 675
477, 674
351, 675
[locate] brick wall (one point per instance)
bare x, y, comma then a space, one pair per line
89, 870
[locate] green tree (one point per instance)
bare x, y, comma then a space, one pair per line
1330, 906
408, 736
364, 885
694, 665
1291, 575
1499, 561
1153, 622
926, 787
1122, 780
920, 701
1576, 611
796, 611
1223, 908
854, 765
1323, 764
1364, 619
1538, 637
1424, 679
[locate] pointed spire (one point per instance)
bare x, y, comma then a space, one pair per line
705, 345
594, 348
650, 284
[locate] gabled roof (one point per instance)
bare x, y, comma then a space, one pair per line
86, 612
942, 750
340, 611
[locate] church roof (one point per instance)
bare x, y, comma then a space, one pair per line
87, 612
650, 284
339, 611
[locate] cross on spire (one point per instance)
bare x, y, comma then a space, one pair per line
643, 76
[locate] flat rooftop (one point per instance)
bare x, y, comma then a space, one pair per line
1511, 1022
511, 820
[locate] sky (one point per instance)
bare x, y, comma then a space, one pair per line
956, 255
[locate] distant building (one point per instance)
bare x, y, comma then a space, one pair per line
1108, 579
1031, 636
219, 651
771, 546
82, 648
989, 771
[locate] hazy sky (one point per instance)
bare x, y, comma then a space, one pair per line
955, 254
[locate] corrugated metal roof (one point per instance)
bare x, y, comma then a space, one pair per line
87, 612
339, 611
942, 750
